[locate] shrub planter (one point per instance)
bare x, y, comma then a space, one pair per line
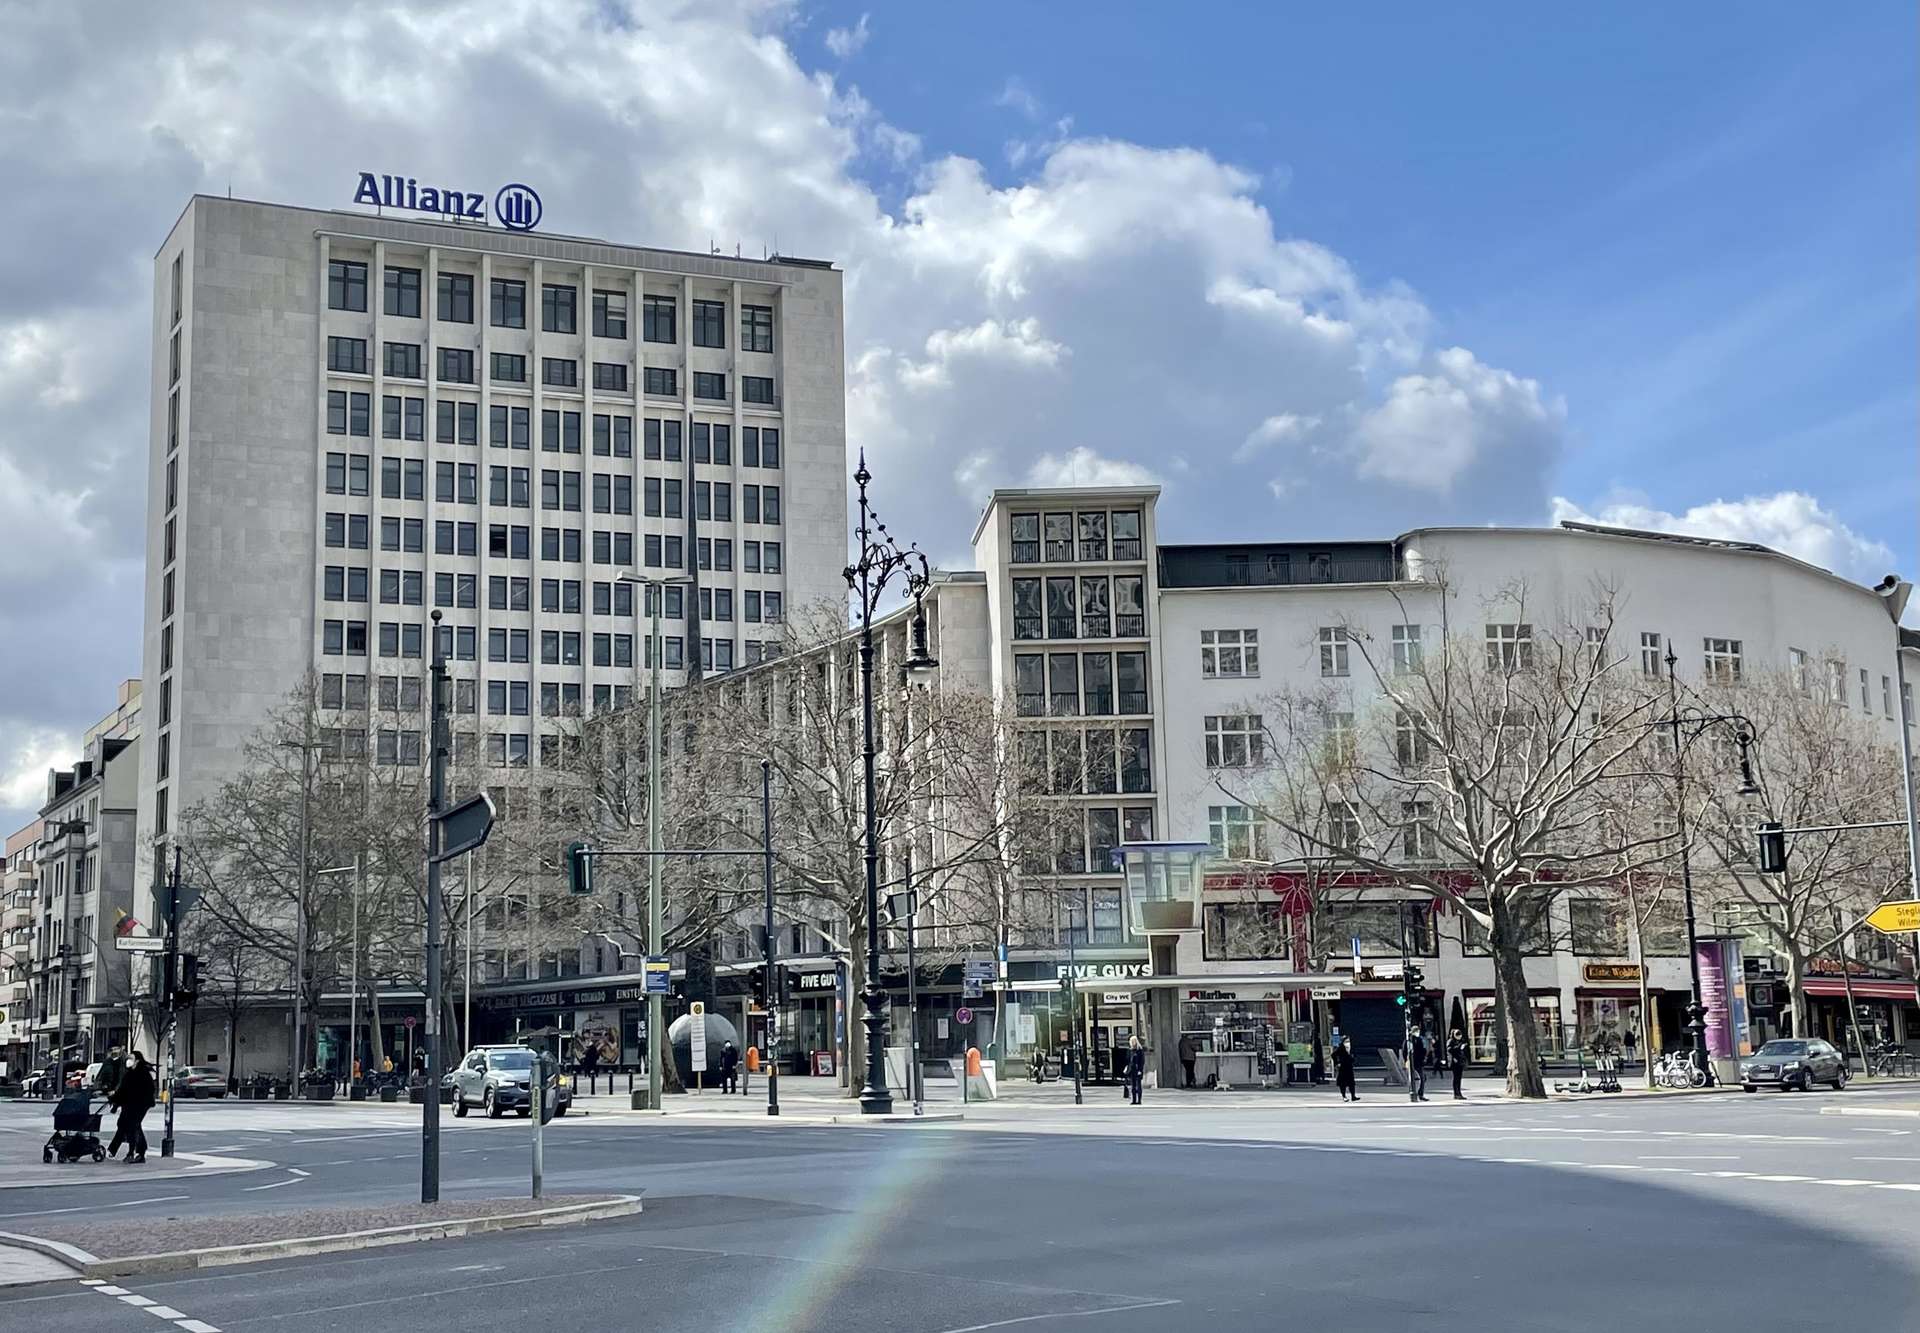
357, 1092
320, 1091
389, 1093
446, 1096
282, 1091
417, 1095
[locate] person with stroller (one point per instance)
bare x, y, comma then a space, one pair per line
135, 1097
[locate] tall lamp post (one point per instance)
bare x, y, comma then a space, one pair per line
656, 1017
306, 746
1894, 592
879, 560
1694, 722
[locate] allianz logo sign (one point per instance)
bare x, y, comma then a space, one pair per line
515, 207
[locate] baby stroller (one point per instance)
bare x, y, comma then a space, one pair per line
76, 1129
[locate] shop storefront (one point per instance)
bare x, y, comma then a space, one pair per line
1482, 1026
1884, 1007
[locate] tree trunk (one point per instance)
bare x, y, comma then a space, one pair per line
1523, 1064
378, 1035
1797, 992
1640, 960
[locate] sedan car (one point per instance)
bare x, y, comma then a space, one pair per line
496, 1079
1794, 1063
200, 1081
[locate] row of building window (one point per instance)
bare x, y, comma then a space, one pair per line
559, 307
560, 490
1090, 761
1235, 653
348, 638
1090, 535
347, 411
1080, 684
1090, 606
508, 427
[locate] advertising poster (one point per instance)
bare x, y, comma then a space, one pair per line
597, 1030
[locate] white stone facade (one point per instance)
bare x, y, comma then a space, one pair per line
282, 425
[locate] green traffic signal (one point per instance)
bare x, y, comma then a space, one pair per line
1400, 1000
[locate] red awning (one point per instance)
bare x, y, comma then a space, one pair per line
1863, 988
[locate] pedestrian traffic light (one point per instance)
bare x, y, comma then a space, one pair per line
579, 869
186, 982
759, 983
1773, 848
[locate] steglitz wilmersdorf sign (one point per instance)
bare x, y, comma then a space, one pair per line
515, 206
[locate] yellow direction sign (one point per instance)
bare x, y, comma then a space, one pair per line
1895, 918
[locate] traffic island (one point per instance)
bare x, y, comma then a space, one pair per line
120, 1249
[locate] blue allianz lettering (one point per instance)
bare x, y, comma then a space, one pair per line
407, 193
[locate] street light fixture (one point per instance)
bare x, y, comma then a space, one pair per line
1698, 722
655, 595
880, 558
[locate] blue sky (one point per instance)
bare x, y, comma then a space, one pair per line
1696, 224
1319, 271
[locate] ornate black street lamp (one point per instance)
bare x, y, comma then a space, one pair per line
880, 558
1694, 722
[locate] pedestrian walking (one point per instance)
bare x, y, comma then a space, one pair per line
110, 1070
1136, 1069
729, 1068
134, 1095
1343, 1070
1416, 1065
1457, 1057
1187, 1056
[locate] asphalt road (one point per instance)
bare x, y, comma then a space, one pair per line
1731, 1212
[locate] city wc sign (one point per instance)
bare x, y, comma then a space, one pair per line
515, 207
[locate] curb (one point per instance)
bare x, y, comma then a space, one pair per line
88, 1265
909, 1118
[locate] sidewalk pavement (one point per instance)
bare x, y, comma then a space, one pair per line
19, 1266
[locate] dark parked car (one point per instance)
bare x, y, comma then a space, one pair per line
1794, 1063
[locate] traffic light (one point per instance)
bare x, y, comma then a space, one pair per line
579, 869
1413, 988
1773, 848
186, 982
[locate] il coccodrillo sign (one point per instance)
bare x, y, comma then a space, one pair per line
515, 207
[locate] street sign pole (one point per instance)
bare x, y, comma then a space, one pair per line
436, 800
537, 1112
772, 998
170, 978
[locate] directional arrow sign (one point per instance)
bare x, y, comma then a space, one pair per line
1895, 918
465, 826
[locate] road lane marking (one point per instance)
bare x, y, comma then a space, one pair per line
295, 1178
1887, 1159
165, 1312
87, 1208
1689, 1157
1059, 1314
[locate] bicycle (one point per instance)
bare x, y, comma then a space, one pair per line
1677, 1070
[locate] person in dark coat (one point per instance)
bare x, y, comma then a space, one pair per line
1136, 1069
110, 1070
730, 1068
1343, 1070
1187, 1055
1416, 1065
135, 1097
1457, 1057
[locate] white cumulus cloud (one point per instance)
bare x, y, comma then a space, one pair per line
1792, 522
1083, 467
845, 43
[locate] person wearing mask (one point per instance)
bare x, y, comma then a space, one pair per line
1136, 1069
730, 1068
135, 1097
1343, 1070
1457, 1057
1187, 1056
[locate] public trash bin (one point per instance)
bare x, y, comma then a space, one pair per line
639, 1097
